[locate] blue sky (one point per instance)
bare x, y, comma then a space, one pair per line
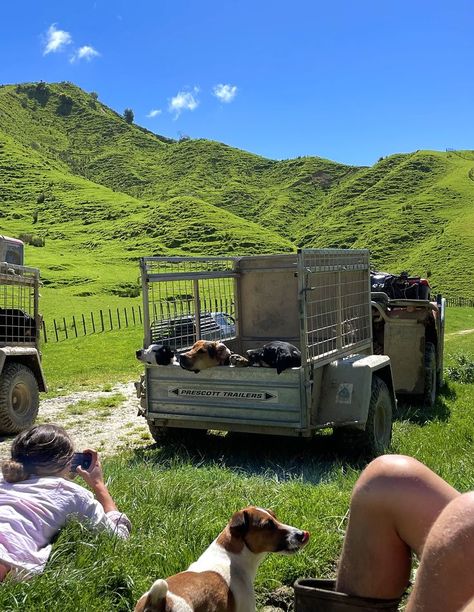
349, 81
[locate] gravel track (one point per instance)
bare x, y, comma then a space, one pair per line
108, 430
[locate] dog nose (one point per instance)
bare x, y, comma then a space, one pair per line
302, 536
138, 353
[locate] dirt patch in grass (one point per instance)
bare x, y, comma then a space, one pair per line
104, 420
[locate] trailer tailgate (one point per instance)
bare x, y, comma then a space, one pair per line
225, 396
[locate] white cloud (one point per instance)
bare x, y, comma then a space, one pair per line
225, 93
86, 52
154, 113
183, 100
56, 39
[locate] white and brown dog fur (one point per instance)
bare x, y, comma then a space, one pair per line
221, 580
204, 354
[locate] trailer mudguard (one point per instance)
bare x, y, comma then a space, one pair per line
346, 389
27, 356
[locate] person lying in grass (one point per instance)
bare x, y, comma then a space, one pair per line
37, 496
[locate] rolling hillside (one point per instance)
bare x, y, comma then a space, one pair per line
101, 193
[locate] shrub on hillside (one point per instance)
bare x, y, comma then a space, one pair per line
33, 239
463, 369
65, 104
35, 91
130, 290
128, 115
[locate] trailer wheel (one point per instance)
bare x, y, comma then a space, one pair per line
430, 375
375, 439
163, 435
19, 398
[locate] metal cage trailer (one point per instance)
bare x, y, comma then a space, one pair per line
318, 300
21, 374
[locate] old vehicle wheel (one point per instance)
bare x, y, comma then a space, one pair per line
19, 398
375, 439
378, 428
430, 375
163, 435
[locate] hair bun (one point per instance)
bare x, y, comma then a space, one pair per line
14, 471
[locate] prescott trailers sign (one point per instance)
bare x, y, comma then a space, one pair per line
252, 396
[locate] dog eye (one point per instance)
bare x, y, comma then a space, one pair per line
270, 524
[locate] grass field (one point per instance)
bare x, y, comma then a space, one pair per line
179, 498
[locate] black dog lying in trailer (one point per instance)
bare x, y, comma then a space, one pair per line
16, 325
276, 354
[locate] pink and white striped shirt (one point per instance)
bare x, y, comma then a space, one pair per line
33, 511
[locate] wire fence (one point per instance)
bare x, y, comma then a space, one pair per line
85, 324
460, 301
112, 319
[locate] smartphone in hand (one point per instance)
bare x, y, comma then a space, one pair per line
84, 460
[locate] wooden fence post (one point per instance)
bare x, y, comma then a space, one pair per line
74, 324
110, 319
93, 322
56, 330
65, 327
126, 318
84, 324
102, 319
140, 312
118, 319
133, 315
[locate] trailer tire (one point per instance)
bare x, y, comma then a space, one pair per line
165, 435
19, 398
430, 375
375, 439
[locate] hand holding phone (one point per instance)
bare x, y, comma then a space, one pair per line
83, 460
92, 474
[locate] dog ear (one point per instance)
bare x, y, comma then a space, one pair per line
239, 524
281, 361
222, 352
212, 349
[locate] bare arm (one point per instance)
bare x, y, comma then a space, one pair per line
94, 477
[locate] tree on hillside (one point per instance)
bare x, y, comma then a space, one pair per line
128, 115
41, 92
65, 104
94, 95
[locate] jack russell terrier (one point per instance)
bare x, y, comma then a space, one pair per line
221, 580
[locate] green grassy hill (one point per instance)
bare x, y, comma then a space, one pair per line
101, 193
